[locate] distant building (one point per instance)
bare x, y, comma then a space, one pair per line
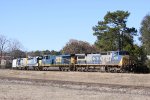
5, 62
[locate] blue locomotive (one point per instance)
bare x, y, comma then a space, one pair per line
111, 61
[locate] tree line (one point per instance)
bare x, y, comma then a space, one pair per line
112, 33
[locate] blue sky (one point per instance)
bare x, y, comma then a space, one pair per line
50, 24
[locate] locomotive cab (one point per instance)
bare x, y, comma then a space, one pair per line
48, 60
124, 55
115, 58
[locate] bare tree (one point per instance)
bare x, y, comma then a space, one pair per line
14, 44
15, 49
3, 45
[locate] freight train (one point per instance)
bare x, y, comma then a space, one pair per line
111, 61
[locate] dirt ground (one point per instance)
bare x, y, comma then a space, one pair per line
55, 85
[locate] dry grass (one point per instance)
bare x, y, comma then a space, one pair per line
90, 77
54, 85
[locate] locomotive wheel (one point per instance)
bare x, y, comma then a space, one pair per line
39, 68
25, 68
78, 69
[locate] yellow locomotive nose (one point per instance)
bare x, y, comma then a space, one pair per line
124, 60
